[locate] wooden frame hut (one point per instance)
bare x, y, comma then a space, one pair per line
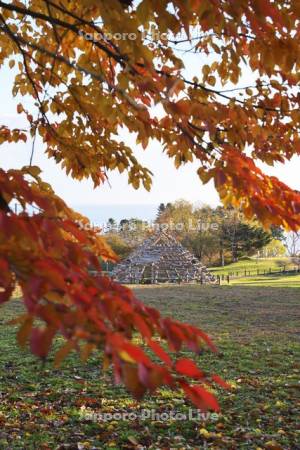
161, 259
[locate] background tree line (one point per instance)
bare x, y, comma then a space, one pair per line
217, 236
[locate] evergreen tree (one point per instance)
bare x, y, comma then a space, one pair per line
244, 239
160, 211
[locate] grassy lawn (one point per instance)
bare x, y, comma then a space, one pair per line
254, 264
257, 332
291, 281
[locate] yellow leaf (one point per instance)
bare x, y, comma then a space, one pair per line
279, 404
124, 355
211, 80
204, 433
205, 71
273, 445
143, 11
34, 171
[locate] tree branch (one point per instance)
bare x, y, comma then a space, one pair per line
54, 21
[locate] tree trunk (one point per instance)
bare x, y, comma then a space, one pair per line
222, 259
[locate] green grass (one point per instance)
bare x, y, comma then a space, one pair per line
257, 332
292, 281
263, 272
252, 265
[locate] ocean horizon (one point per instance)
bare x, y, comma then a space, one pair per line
99, 214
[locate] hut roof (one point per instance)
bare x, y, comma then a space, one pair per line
161, 258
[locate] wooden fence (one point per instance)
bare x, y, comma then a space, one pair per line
226, 277
245, 273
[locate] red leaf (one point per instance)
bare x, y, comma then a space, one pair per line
153, 377
132, 382
205, 338
41, 341
188, 367
74, 229
136, 353
142, 326
6, 282
52, 271
200, 397
220, 381
159, 351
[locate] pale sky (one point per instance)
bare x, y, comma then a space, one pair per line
169, 184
